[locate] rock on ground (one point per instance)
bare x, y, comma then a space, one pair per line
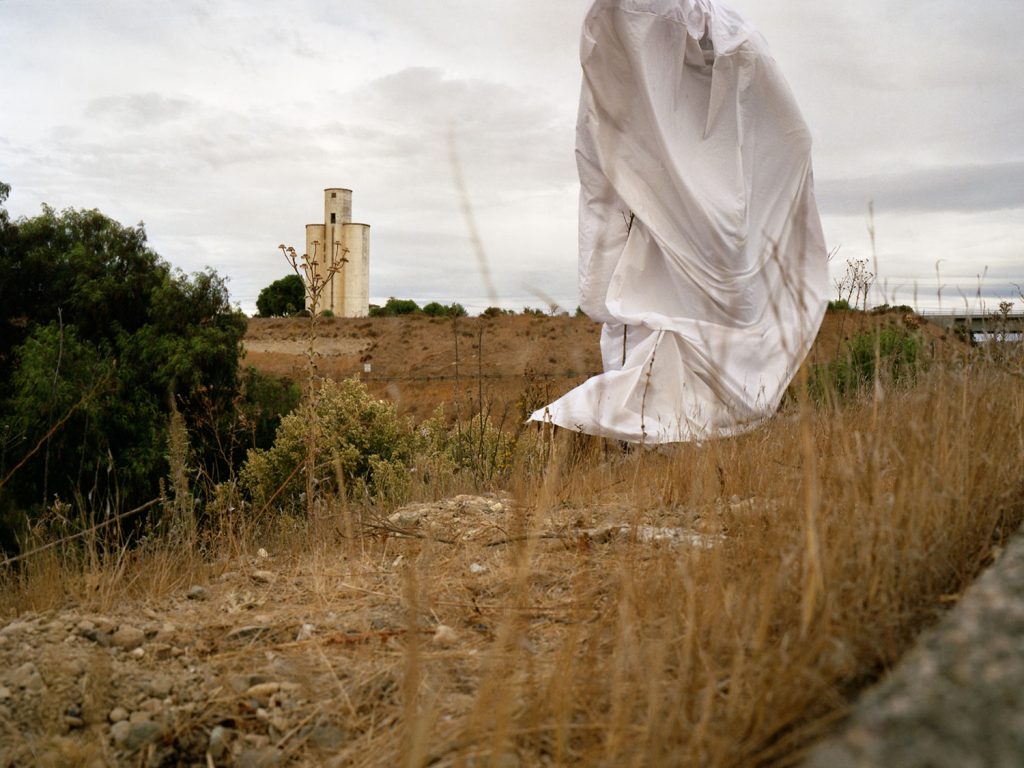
957, 700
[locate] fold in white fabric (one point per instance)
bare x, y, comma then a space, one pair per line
701, 247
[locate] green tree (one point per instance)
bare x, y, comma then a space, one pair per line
496, 312
98, 336
435, 309
395, 307
282, 298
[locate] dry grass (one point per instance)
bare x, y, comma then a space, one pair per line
841, 533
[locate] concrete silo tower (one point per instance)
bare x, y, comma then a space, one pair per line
347, 244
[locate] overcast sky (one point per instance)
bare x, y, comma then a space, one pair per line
219, 122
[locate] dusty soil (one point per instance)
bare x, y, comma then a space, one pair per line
420, 363
269, 659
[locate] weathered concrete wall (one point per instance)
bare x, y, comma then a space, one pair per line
356, 274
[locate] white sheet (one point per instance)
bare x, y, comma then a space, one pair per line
701, 247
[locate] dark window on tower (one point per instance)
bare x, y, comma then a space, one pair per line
334, 195
334, 217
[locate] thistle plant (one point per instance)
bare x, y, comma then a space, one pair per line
315, 278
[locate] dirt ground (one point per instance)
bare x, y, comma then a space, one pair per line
420, 363
271, 660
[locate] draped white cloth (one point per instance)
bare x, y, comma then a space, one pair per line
701, 247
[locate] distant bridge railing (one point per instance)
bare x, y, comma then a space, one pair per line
976, 321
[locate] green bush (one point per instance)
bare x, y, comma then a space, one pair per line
395, 307
264, 401
478, 448
884, 309
435, 309
496, 312
362, 447
839, 305
896, 351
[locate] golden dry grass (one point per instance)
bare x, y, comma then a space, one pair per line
830, 538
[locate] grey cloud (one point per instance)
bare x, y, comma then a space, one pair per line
966, 188
506, 139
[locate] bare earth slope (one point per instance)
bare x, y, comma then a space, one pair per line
420, 363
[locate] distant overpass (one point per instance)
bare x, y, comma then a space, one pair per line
977, 322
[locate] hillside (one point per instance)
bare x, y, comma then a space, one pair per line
420, 362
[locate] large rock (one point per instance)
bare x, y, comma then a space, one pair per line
957, 700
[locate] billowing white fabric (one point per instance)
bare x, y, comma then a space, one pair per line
701, 247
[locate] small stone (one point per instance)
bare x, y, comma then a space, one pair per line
152, 705
139, 716
327, 737
407, 517
142, 734
198, 593
263, 691
477, 568
5, 693
15, 628
119, 731
160, 651
117, 715
56, 627
264, 577
160, 687
247, 631
27, 677
262, 553
166, 633
445, 636
218, 745
242, 683
104, 625
137, 653
305, 633
263, 757
101, 639
85, 627
128, 637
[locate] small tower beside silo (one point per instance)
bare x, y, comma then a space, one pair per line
345, 244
